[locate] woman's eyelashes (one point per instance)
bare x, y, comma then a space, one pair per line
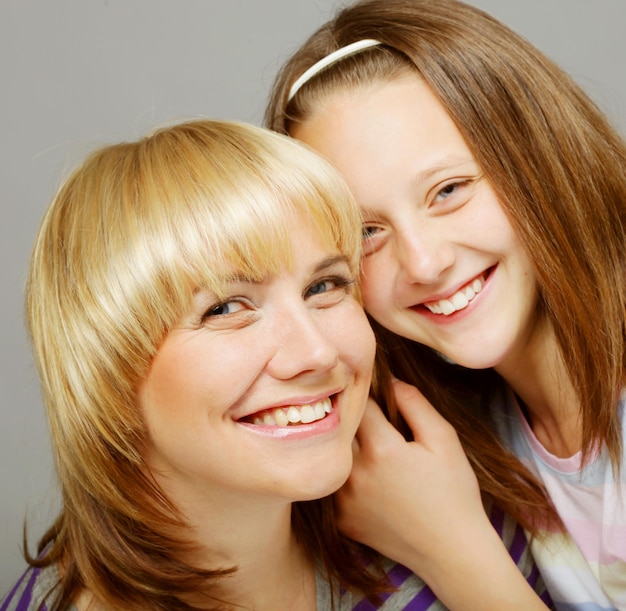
230, 313
322, 293
329, 289
372, 238
225, 308
454, 192
369, 231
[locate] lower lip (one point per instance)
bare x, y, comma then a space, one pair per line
299, 431
442, 319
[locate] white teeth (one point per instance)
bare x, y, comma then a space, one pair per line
447, 307
281, 417
295, 414
458, 301
307, 414
435, 308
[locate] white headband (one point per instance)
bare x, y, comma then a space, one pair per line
335, 56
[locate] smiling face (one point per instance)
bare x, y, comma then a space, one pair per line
443, 265
261, 392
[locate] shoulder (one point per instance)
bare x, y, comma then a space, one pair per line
33, 591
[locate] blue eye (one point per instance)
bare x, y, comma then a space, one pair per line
327, 285
451, 189
320, 287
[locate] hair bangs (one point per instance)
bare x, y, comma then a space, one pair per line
230, 211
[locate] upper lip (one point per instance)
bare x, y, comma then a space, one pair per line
451, 292
288, 402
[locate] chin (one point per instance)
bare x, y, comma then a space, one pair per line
474, 361
320, 487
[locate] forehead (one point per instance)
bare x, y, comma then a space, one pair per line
403, 105
389, 129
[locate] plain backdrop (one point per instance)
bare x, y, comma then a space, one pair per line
76, 74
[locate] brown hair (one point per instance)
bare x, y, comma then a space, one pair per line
119, 252
559, 170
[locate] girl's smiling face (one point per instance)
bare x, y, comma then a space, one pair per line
260, 393
443, 265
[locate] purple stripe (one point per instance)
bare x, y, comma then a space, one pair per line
518, 544
397, 576
422, 601
497, 520
533, 576
424, 598
27, 594
10, 595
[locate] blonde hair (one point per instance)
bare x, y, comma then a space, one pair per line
558, 168
128, 238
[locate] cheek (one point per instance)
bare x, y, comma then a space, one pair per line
377, 286
355, 340
368, 347
189, 383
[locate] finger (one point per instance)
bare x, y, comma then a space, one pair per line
374, 429
423, 419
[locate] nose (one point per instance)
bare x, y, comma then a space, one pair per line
423, 254
302, 344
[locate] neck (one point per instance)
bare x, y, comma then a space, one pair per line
538, 376
273, 570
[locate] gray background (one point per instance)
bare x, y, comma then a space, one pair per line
79, 73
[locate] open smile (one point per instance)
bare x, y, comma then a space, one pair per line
292, 415
459, 300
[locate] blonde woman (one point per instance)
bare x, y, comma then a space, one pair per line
205, 363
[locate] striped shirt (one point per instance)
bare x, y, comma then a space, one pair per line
412, 594
31, 590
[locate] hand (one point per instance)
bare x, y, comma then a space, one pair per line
419, 504
405, 499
